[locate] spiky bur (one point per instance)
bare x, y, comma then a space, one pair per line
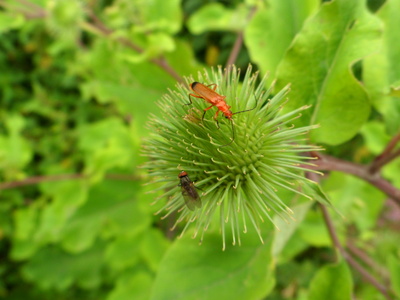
238, 183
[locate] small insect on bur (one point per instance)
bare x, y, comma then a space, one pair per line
189, 192
208, 93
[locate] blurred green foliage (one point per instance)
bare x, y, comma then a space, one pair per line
78, 80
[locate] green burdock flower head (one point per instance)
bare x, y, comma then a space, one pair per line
233, 169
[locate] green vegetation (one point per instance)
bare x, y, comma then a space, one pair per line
93, 126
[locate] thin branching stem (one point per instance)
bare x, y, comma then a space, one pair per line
330, 163
238, 42
386, 156
104, 30
360, 254
34, 11
351, 261
341, 250
60, 177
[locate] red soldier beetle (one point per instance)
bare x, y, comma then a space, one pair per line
208, 93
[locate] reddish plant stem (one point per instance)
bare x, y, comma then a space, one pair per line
31, 11
34, 12
367, 260
330, 163
104, 30
351, 261
386, 156
238, 42
235, 50
336, 243
40, 179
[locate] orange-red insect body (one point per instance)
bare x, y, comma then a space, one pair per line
189, 192
211, 96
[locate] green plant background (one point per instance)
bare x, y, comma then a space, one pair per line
78, 80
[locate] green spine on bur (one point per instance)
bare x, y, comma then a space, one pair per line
240, 181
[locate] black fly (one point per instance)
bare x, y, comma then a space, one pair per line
189, 192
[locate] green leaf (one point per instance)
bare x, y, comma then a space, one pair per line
15, 151
25, 222
153, 247
183, 59
123, 252
318, 65
132, 285
272, 29
375, 136
67, 197
134, 92
110, 210
156, 44
215, 16
394, 269
107, 144
189, 271
38, 225
313, 230
369, 292
391, 172
395, 91
10, 21
286, 231
333, 282
360, 202
294, 246
381, 70
53, 268
158, 15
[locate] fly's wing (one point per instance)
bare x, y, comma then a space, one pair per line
189, 193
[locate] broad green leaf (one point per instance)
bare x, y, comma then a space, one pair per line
358, 201
391, 172
369, 292
111, 210
283, 235
189, 271
272, 29
52, 268
36, 227
15, 151
394, 92
123, 252
136, 89
132, 285
381, 70
318, 65
153, 247
183, 59
293, 247
25, 222
158, 15
107, 144
313, 230
394, 269
67, 197
9, 22
375, 136
145, 16
157, 44
215, 16
333, 282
